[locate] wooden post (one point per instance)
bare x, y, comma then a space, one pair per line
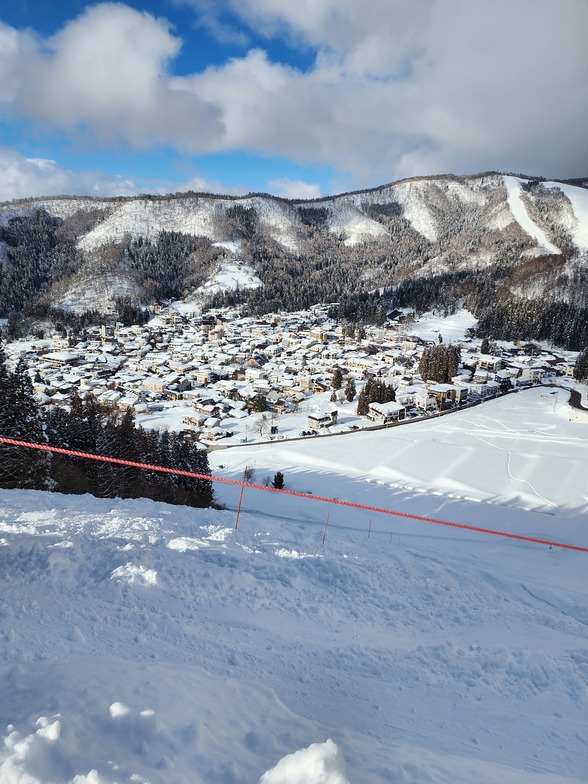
369, 529
240, 498
326, 526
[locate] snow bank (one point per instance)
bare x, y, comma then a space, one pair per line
321, 763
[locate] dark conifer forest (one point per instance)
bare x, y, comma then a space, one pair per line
88, 427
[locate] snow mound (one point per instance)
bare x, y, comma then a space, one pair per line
321, 763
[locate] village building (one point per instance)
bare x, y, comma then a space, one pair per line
384, 413
320, 419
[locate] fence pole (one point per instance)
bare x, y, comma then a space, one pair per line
326, 526
240, 498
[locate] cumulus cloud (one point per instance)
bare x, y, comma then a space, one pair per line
294, 189
27, 177
396, 88
23, 177
401, 88
104, 76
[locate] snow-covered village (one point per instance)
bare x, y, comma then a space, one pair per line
222, 377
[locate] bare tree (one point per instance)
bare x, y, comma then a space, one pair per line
261, 425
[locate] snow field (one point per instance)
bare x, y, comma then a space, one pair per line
147, 643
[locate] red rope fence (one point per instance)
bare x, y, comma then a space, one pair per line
307, 496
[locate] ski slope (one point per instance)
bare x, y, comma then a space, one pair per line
141, 642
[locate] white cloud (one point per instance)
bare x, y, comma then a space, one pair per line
397, 87
294, 189
401, 88
200, 184
23, 177
104, 76
27, 177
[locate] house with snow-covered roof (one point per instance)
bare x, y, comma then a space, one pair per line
384, 413
321, 418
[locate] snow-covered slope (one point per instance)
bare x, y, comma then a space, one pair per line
423, 202
578, 198
148, 217
416, 227
520, 214
231, 275
146, 643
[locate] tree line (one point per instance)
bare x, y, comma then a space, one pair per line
86, 426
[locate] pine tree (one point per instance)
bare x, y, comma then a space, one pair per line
337, 380
350, 390
439, 363
20, 418
374, 391
30, 426
581, 366
362, 402
8, 426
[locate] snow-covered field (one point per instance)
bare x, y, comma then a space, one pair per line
141, 642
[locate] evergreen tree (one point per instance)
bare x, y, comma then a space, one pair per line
20, 418
337, 380
439, 363
350, 390
258, 403
89, 427
35, 464
581, 366
188, 457
9, 462
374, 391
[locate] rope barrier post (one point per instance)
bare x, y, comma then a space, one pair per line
369, 529
326, 526
240, 498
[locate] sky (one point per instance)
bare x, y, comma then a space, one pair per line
298, 99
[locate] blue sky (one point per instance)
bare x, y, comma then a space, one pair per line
300, 99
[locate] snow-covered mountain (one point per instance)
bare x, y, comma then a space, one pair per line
424, 202
424, 226
161, 645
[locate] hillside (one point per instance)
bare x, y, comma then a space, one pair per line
490, 239
155, 644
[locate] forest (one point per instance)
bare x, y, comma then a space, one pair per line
514, 298
86, 426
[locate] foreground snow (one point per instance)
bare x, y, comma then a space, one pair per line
146, 643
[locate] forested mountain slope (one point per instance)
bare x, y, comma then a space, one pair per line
500, 242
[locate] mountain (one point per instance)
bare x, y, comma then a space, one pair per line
428, 241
